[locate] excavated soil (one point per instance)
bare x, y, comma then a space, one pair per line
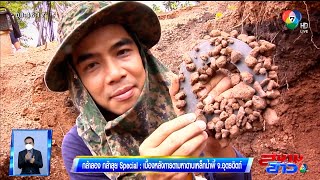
26, 103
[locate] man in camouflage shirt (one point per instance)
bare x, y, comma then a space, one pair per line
122, 91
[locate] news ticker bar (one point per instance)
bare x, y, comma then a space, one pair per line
130, 164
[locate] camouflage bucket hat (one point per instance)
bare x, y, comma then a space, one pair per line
82, 18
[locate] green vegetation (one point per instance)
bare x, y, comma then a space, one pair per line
173, 5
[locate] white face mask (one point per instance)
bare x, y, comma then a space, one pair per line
29, 146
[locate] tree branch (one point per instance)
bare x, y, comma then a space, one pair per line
310, 26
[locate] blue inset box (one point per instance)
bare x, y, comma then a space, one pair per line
30, 152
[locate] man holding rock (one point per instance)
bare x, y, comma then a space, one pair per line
124, 94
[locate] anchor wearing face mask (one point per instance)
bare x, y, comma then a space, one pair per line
30, 159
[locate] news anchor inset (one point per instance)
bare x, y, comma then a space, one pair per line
30, 152
30, 159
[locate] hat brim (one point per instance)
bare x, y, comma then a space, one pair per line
138, 17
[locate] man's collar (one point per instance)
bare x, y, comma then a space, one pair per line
31, 150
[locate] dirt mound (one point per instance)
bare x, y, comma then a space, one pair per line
26, 103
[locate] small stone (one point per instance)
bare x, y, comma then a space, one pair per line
251, 39
234, 33
235, 106
187, 59
180, 95
248, 104
219, 126
216, 105
271, 116
258, 102
242, 91
221, 61
210, 125
251, 61
225, 133
248, 110
206, 37
263, 71
243, 37
235, 78
247, 77
224, 115
234, 131
200, 105
253, 44
181, 77
255, 52
267, 63
230, 121
224, 43
215, 33
225, 34
204, 57
248, 126
235, 56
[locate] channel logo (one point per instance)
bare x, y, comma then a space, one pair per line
291, 18
303, 168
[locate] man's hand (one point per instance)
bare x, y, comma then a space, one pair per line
27, 156
32, 160
219, 85
182, 136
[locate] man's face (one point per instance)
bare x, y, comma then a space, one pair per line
28, 141
110, 67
